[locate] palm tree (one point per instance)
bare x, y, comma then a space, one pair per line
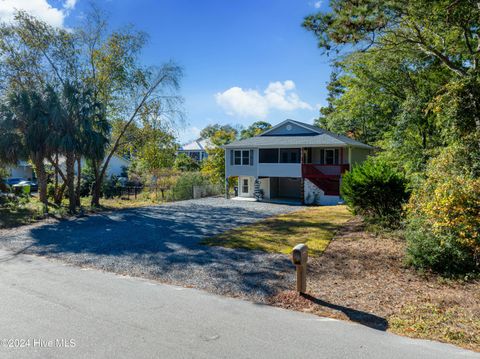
25, 127
80, 130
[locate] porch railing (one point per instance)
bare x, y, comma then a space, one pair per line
317, 170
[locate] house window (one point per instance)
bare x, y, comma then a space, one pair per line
290, 155
245, 185
242, 157
268, 155
330, 156
195, 155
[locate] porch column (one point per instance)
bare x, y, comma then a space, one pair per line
227, 196
349, 158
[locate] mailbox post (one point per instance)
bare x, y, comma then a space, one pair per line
300, 258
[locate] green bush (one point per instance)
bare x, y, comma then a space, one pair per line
87, 180
111, 187
443, 227
440, 252
183, 187
375, 191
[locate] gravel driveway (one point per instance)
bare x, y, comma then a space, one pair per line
162, 243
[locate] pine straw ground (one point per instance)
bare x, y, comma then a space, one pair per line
361, 277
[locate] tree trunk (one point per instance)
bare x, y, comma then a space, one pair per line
79, 179
97, 186
59, 194
56, 175
42, 181
70, 169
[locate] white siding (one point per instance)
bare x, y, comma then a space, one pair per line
280, 169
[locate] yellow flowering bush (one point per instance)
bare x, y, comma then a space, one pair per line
444, 218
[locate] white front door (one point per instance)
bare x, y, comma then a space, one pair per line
244, 186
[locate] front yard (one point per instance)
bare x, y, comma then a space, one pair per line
314, 226
361, 277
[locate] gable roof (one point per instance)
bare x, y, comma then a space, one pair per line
199, 144
306, 126
314, 136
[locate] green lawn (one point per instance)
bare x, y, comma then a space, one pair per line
314, 226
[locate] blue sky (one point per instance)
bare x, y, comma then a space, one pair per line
243, 60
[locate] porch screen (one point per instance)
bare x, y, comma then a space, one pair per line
290, 155
268, 155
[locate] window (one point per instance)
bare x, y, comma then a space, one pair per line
194, 155
269, 155
242, 157
245, 157
329, 156
245, 185
238, 158
290, 155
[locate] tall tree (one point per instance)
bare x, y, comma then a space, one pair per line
26, 128
105, 62
214, 165
439, 30
255, 129
126, 88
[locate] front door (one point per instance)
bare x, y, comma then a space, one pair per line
245, 187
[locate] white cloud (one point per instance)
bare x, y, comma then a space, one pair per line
317, 4
188, 134
250, 103
38, 8
69, 4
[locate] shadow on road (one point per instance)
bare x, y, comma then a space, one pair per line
163, 242
364, 318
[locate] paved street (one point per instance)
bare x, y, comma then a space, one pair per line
109, 316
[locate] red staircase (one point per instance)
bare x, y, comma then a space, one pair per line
325, 177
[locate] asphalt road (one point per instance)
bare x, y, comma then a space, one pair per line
60, 311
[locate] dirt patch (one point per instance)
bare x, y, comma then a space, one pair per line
362, 277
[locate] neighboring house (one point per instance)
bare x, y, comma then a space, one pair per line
25, 170
115, 166
196, 149
293, 160
22, 170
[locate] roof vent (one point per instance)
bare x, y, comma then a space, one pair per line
289, 127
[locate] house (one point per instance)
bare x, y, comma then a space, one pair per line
294, 161
196, 149
24, 169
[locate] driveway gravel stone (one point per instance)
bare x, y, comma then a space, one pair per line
162, 243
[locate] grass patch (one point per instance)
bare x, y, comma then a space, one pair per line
20, 215
31, 210
117, 203
451, 324
314, 226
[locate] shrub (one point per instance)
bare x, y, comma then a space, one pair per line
87, 180
444, 219
185, 163
183, 188
111, 187
375, 191
437, 251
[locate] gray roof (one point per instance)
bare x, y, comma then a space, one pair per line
323, 138
197, 145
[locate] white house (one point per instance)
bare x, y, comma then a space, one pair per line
25, 170
196, 149
295, 161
